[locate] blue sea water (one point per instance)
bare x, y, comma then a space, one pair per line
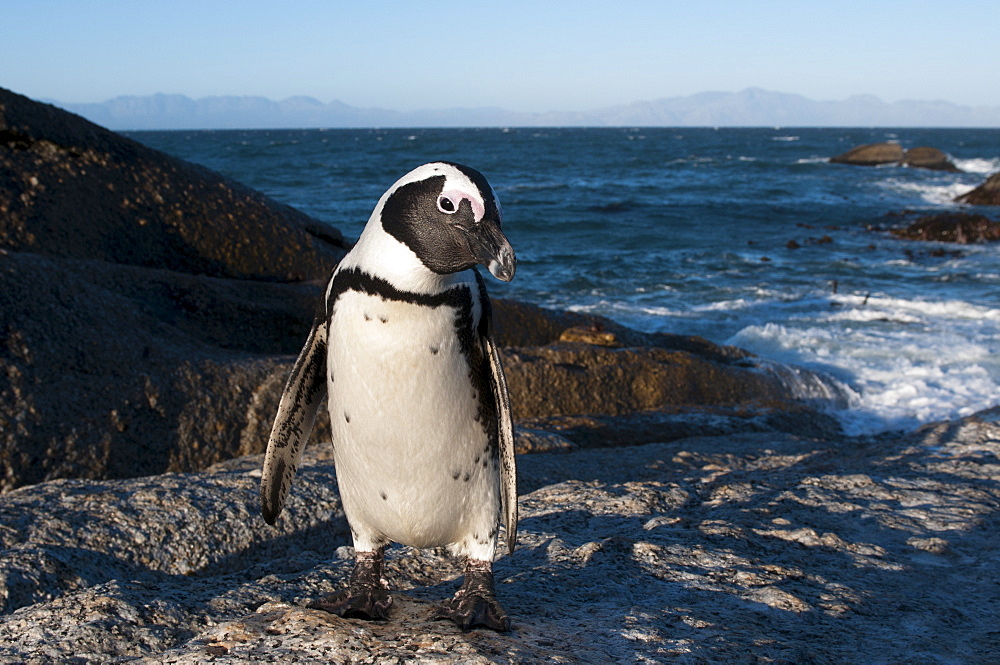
687, 231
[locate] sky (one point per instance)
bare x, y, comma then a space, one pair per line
522, 56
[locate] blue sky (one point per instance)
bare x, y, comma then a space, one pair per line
527, 56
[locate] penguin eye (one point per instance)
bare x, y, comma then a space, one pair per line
446, 205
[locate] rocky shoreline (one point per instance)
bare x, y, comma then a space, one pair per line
681, 500
743, 548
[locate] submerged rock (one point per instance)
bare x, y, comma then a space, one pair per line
959, 228
717, 549
987, 194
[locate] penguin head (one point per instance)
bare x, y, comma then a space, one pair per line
449, 217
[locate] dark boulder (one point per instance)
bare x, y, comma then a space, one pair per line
987, 194
116, 371
142, 318
871, 154
951, 227
72, 189
924, 157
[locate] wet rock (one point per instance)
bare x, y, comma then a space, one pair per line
717, 549
72, 189
959, 228
871, 154
987, 194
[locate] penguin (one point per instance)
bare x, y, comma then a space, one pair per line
403, 351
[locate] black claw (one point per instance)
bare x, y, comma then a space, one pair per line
367, 594
475, 604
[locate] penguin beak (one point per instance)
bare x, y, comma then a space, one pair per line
492, 250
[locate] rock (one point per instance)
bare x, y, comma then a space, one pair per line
987, 194
71, 189
589, 335
708, 549
924, 157
139, 302
871, 154
567, 379
959, 228
877, 154
100, 361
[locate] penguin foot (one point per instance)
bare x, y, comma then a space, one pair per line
367, 594
475, 603
356, 603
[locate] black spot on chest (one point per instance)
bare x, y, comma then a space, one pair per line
468, 334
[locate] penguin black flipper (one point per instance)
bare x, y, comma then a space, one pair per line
300, 401
505, 431
505, 424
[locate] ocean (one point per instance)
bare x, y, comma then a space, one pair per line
689, 231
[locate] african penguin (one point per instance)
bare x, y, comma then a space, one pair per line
404, 352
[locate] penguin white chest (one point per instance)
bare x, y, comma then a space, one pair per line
414, 460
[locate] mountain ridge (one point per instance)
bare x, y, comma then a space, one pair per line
751, 107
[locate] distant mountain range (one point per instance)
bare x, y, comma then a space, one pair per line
752, 107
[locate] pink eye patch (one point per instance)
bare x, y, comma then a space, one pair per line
450, 200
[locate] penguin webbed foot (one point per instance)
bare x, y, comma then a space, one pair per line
367, 594
475, 604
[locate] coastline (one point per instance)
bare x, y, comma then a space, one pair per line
681, 498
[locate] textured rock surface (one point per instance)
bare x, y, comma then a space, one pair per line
112, 371
959, 228
987, 194
69, 188
141, 314
749, 548
577, 378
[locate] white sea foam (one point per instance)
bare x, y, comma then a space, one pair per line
908, 362
931, 193
978, 165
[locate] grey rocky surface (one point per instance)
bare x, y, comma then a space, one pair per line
746, 548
